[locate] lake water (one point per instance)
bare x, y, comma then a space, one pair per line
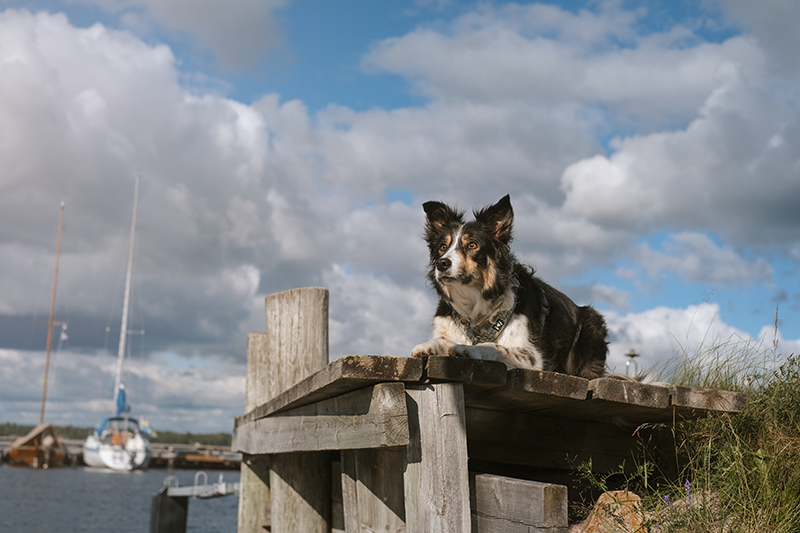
83, 500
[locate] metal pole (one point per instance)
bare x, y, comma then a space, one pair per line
123, 330
52, 311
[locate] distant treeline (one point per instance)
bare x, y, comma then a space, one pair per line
165, 437
68, 432
210, 439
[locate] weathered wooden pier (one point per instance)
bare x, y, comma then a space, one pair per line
390, 444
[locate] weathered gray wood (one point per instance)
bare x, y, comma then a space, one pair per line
343, 375
254, 494
628, 392
301, 492
476, 374
532, 390
509, 505
621, 402
436, 476
626, 403
337, 499
547, 442
297, 340
690, 402
372, 490
367, 418
297, 346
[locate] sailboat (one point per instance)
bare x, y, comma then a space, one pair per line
119, 443
41, 448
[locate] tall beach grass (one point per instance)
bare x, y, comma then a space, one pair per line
732, 473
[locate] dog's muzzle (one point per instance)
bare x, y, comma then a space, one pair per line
442, 264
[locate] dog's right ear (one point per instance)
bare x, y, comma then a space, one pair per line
438, 215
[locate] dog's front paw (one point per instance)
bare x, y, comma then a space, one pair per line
423, 350
461, 350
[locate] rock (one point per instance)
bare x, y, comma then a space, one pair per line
703, 504
614, 512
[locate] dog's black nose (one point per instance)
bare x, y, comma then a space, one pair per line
443, 264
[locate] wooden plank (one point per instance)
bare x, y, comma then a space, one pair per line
254, 493
367, 418
621, 402
297, 346
509, 505
612, 400
343, 375
532, 439
692, 402
532, 390
436, 477
372, 489
628, 392
475, 374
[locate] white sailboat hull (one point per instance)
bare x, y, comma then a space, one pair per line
133, 455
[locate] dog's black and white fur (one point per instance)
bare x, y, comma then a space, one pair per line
492, 307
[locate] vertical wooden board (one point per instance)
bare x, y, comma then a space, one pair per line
297, 346
436, 476
254, 494
337, 498
301, 492
372, 487
297, 328
259, 368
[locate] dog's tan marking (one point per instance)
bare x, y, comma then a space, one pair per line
490, 274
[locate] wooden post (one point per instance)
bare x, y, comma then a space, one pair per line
297, 346
254, 495
168, 513
436, 476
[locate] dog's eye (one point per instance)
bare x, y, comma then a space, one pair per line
443, 248
473, 245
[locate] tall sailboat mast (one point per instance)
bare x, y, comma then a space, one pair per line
123, 332
52, 311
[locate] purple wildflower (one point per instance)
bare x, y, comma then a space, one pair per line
688, 487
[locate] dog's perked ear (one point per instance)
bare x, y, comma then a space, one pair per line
499, 217
439, 215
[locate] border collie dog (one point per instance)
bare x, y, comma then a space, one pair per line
492, 307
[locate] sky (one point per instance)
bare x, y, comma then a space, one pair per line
651, 151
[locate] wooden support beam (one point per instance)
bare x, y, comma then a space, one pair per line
372, 490
337, 503
508, 505
254, 495
368, 418
301, 492
436, 477
297, 346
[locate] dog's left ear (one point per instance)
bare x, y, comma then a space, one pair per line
499, 217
